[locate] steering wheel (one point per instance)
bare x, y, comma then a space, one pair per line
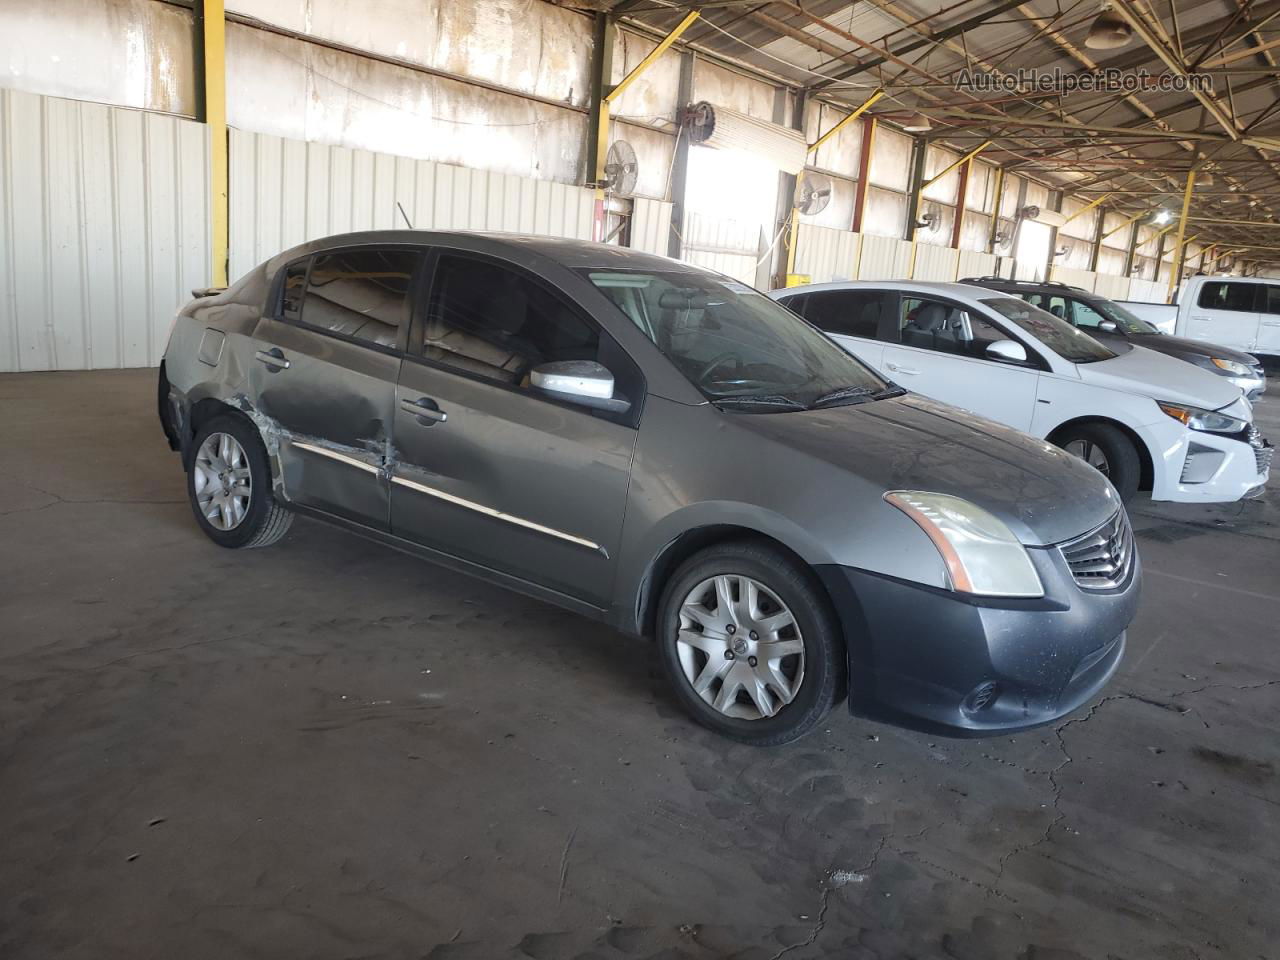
715, 361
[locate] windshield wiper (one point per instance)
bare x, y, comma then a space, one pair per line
855, 395
841, 395
763, 400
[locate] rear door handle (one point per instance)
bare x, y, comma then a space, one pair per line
1201, 319
907, 370
273, 358
425, 409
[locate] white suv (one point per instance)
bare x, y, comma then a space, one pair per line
1142, 418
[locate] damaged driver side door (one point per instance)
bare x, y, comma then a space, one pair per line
325, 364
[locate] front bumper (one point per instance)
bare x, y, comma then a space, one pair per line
1194, 466
1252, 386
937, 661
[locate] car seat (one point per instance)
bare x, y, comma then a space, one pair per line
928, 327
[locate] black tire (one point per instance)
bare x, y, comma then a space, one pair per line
824, 650
265, 521
1124, 466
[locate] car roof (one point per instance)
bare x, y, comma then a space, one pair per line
1028, 286
568, 252
956, 291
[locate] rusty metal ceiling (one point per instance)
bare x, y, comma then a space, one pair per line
1136, 147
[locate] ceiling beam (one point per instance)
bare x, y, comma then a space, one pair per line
945, 34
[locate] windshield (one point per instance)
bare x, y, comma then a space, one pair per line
738, 347
1055, 333
1122, 318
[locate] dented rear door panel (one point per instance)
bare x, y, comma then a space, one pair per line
333, 407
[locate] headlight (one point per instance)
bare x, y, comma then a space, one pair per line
980, 553
1231, 367
1206, 420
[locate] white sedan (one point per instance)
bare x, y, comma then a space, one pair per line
1142, 418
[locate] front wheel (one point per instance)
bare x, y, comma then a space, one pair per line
229, 485
1109, 451
750, 644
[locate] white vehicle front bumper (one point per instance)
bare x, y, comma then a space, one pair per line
1192, 466
1252, 387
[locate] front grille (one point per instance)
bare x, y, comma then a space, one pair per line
1262, 450
1101, 559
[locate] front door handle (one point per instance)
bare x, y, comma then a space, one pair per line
425, 409
907, 370
273, 358
1271, 323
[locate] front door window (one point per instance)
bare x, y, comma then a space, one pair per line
932, 325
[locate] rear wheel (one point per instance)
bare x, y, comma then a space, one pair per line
1108, 450
750, 644
229, 485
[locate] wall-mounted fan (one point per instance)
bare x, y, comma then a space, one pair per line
621, 169
930, 219
813, 193
1005, 235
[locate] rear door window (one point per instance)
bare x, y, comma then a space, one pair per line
1050, 303
1269, 301
847, 313
360, 294
1226, 295
293, 287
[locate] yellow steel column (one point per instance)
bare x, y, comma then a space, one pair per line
1175, 268
609, 93
998, 191
215, 116
793, 226
925, 185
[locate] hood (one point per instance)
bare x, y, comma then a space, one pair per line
1042, 494
1185, 346
1161, 377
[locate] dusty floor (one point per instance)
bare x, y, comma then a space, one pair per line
327, 749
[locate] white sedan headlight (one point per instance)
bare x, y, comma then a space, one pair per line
980, 553
1233, 368
1209, 421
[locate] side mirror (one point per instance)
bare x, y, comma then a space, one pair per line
584, 382
1007, 351
1108, 326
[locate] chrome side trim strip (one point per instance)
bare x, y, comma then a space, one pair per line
335, 455
496, 514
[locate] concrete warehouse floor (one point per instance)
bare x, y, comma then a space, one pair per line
328, 749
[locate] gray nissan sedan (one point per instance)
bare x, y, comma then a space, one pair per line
668, 451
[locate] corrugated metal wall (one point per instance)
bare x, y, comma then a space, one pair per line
1148, 291
1077, 278
650, 225
884, 258
975, 264
825, 255
1115, 288
104, 230
284, 192
725, 246
935, 263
